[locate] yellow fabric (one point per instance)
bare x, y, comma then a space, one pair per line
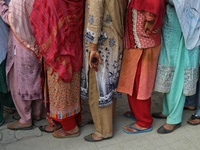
117, 10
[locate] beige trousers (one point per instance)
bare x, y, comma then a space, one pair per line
102, 117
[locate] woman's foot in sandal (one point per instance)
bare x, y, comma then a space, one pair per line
66, 134
135, 129
19, 126
94, 138
189, 107
194, 120
49, 129
129, 115
168, 128
159, 115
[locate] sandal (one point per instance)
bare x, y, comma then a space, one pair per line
43, 128
136, 130
65, 134
9, 110
19, 126
89, 138
162, 130
129, 115
158, 115
194, 120
189, 108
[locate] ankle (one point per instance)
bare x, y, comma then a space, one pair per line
74, 130
94, 136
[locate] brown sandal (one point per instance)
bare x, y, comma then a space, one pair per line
65, 134
194, 120
19, 126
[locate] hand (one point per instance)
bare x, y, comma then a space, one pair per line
94, 59
150, 19
150, 16
148, 27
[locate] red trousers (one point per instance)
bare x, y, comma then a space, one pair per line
140, 108
70, 122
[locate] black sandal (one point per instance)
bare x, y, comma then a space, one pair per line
43, 129
158, 115
162, 130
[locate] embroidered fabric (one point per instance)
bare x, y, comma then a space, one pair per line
172, 44
164, 80
142, 39
90, 35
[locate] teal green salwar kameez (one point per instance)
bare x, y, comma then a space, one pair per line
177, 72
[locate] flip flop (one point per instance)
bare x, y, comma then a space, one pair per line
89, 138
137, 130
129, 115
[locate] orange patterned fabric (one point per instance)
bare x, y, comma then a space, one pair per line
64, 98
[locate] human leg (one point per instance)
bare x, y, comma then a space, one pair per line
195, 118
1, 108
140, 108
69, 128
8, 104
174, 100
23, 106
37, 109
102, 117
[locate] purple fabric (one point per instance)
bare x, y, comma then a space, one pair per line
27, 65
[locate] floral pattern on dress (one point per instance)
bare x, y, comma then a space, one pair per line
64, 97
110, 47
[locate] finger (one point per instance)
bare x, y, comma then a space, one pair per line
100, 61
95, 68
90, 65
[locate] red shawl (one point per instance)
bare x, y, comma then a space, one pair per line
154, 6
58, 28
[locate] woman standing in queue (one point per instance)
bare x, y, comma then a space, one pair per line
103, 46
142, 48
23, 67
177, 73
58, 28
